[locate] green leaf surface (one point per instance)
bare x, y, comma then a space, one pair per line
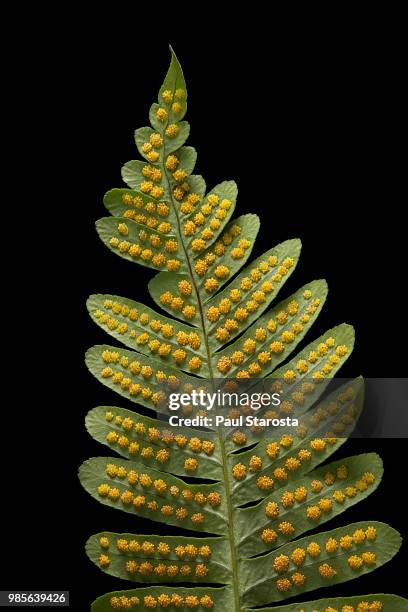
142, 239
288, 249
133, 172
96, 362
187, 157
297, 397
174, 78
143, 135
390, 603
140, 207
273, 331
167, 284
142, 139
248, 229
133, 177
167, 222
92, 475
128, 423
213, 565
341, 335
220, 597
226, 193
197, 185
260, 580
339, 411
134, 320
252, 521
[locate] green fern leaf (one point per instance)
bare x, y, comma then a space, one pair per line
223, 324
378, 602
339, 412
179, 598
108, 424
102, 478
141, 328
197, 559
264, 582
317, 498
257, 344
257, 277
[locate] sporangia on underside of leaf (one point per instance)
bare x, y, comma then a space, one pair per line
217, 317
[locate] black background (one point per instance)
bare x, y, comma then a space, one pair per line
310, 132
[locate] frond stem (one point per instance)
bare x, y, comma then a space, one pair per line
230, 509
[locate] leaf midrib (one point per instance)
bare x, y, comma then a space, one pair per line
231, 534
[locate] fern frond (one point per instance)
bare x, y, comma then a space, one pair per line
130, 434
176, 597
208, 559
264, 343
112, 482
331, 558
375, 603
214, 266
142, 329
318, 497
336, 416
133, 375
221, 323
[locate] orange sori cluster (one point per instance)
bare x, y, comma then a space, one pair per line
186, 554
207, 265
150, 213
146, 373
152, 150
164, 600
290, 463
182, 192
156, 436
347, 414
152, 180
168, 114
324, 504
151, 248
362, 606
180, 303
257, 349
327, 355
314, 512
152, 177
191, 199
169, 569
203, 227
150, 494
283, 563
343, 406
161, 549
135, 368
158, 335
239, 437
253, 285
